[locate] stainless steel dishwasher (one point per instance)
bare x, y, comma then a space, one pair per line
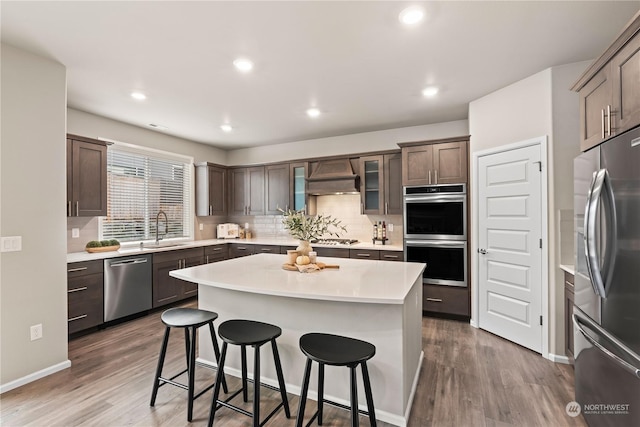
127, 286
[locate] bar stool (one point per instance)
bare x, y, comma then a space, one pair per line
189, 319
249, 333
336, 350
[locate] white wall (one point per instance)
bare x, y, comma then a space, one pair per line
92, 126
536, 106
33, 282
346, 144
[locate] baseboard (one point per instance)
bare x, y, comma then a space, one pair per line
34, 376
559, 359
414, 387
473, 323
385, 416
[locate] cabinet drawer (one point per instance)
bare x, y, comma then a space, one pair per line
76, 269
284, 249
85, 302
445, 299
568, 279
179, 254
391, 255
237, 250
364, 254
266, 249
216, 253
332, 252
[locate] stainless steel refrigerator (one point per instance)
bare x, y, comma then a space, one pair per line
606, 314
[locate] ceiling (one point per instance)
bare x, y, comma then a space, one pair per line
354, 61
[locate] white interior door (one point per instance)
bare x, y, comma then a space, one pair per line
509, 245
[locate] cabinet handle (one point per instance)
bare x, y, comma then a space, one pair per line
210, 210
266, 250
77, 208
241, 248
217, 249
435, 174
361, 208
429, 176
73, 270
84, 288
608, 120
390, 256
304, 209
69, 208
206, 259
602, 123
77, 318
386, 208
566, 282
434, 299
364, 255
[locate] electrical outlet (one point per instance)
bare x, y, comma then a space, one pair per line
390, 227
75, 233
11, 244
201, 227
36, 332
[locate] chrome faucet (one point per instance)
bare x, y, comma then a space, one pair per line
166, 226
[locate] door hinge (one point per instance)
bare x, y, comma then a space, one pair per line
540, 243
539, 166
540, 320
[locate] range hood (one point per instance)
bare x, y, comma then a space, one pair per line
332, 177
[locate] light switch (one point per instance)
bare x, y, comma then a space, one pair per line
75, 233
390, 227
11, 244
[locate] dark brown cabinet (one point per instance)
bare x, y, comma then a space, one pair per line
85, 295
168, 289
86, 176
211, 189
277, 188
237, 250
446, 299
215, 253
246, 191
392, 256
333, 252
370, 254
568, 312
392, 184
609, 90
442, 161
266, 249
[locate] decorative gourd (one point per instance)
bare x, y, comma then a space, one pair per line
302, 260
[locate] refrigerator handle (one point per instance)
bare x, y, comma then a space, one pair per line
600, 181
578, 321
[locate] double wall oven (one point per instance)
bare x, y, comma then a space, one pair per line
435, 232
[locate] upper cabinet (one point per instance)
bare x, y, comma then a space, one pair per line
609, 90
246, 190
86, 176
298, 197
277, 188
381, 184
211, 189
443, 161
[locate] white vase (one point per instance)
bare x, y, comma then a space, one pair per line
304, 248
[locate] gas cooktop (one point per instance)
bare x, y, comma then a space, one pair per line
335, 241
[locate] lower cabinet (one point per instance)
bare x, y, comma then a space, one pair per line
333, 252
391, 256
215, 253
168, 289
266, 249
237, 250
370, 254
568, 311
85, 295
446, 300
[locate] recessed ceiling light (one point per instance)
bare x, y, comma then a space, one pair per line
159, 127
138, 95
226, 127
313, 112
411, 15
430, 91
243, 64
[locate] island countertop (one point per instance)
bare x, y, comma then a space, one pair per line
378, 282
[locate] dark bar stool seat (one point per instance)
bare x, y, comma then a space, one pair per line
249, 333
336, 350
189, 319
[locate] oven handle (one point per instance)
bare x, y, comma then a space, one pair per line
440, 198
439, 243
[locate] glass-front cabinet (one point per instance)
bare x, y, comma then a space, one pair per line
371, 181
298, 198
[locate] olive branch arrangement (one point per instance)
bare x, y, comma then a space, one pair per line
311, 227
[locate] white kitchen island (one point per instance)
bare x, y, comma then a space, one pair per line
375, 301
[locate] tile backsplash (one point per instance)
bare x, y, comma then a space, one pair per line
345, 208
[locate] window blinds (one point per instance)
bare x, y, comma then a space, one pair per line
141, 183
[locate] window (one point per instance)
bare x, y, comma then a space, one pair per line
140, 183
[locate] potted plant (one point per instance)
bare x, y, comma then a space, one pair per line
310, 227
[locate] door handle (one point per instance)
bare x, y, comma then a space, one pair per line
482, 251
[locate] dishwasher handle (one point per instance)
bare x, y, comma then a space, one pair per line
128, 262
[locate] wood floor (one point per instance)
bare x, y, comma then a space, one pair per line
469, 378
